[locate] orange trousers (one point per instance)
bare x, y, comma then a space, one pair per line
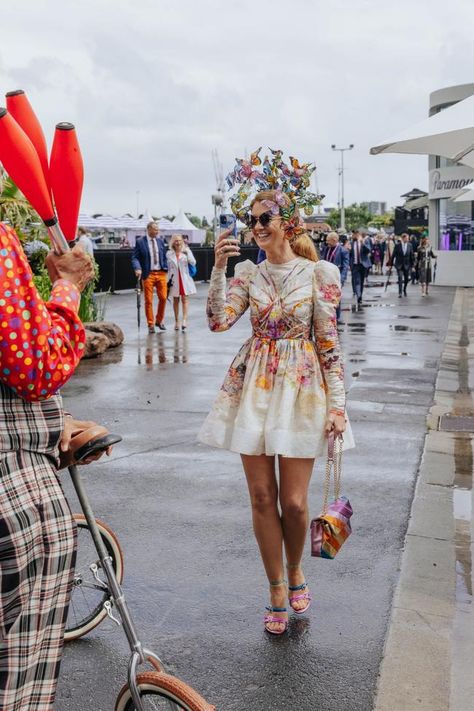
158, 281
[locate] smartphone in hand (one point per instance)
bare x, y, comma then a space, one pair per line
229, 222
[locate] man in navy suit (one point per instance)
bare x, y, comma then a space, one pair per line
359, 261
335, 253
150, 264
403, 259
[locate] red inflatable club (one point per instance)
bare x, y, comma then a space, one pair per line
20, 160
66, 170
21, 110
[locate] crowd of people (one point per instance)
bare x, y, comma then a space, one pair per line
411, 256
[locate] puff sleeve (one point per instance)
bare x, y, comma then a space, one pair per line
225, 307
40, 343
326, 297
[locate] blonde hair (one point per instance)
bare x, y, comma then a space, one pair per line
301, 244
173, 240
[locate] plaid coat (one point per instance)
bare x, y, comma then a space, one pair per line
37, 551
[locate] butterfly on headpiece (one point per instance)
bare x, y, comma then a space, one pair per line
292, 180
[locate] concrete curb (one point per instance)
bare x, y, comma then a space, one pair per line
429, 647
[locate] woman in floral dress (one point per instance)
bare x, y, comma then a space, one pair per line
284, 390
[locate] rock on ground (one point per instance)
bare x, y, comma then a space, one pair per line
113, 332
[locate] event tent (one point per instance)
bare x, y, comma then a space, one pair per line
183, 225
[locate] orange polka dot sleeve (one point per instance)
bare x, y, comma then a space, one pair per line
40, 343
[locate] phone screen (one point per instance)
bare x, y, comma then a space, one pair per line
229, 222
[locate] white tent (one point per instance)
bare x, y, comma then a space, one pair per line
449, 133
183, 225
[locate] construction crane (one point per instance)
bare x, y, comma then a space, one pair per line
218, 198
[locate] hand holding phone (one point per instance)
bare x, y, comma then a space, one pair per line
229, 222
226, 246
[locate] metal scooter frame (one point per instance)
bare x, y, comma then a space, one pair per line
140, 655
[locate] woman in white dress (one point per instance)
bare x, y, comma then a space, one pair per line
181, 283
284, 391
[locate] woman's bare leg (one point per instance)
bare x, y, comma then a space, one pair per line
176, 309
263, 490
295, 475
184, 301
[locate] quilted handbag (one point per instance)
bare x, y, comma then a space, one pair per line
333, 526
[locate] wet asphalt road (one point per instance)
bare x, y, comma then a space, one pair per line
193, 577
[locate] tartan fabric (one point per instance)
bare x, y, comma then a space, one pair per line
37, 552
33, 426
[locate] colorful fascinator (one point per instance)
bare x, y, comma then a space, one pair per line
293, 180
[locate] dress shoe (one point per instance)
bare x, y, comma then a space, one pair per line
399, 296
151, 329
161, 326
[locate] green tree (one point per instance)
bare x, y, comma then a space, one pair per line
17, 211
385, 220
197, 222
355, 216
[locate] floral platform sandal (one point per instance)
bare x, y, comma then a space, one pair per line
270, 617
304, 595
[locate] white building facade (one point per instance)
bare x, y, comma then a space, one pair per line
451, 224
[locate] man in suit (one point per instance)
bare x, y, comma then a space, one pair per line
403, 258
335, 253
150, 264
359, 261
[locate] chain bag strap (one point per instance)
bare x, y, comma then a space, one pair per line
331, 528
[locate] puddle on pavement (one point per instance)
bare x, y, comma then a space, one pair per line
463, 462
157, 351
462, 512
410, 317
409, 329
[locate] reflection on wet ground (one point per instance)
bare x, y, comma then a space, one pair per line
158, 350
409, 329
463, 463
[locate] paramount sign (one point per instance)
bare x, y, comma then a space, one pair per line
448, 182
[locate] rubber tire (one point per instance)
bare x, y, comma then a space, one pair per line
167, 687
115, 551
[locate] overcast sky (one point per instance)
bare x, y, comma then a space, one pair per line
154, 85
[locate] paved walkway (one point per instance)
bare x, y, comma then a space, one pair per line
181, 511
429, 653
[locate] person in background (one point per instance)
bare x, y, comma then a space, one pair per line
377, 255
41, 344
85, 241
150, 264
424, 256
359, 261
336, 254
181, 284
403, 259
414, 269
388, 254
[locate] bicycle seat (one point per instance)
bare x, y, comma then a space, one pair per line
87, 443
95, 445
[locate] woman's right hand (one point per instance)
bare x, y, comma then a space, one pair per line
225, 247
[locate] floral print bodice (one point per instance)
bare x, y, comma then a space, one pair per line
292, 302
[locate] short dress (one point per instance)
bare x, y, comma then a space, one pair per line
288, 375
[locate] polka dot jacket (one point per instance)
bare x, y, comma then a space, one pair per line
40, 343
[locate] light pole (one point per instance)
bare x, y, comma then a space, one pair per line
347, 148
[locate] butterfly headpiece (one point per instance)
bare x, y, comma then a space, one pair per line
252, 176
